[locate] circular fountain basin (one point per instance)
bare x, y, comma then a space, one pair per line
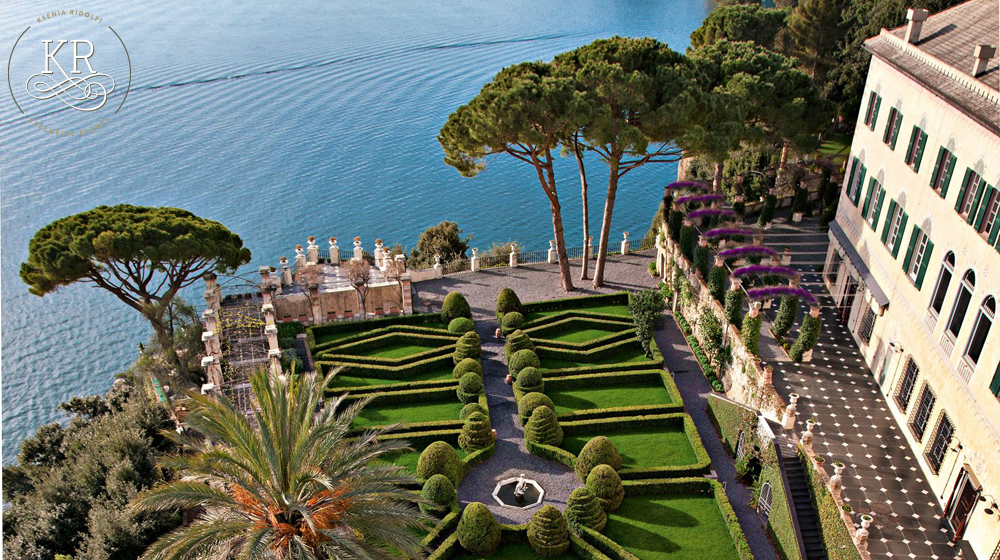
505, 495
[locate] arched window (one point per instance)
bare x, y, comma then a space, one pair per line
981, 329
962, 303
741, 446
764, 502
944, 280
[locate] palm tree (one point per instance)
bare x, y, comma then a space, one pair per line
297, 487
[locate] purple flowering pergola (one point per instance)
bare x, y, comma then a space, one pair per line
771, 292
747, 251
727, 232
765, 270
706, 212
700, 199
685, 185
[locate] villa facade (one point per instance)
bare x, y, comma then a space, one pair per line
914, 262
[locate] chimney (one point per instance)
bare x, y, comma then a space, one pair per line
983, 55
917, 16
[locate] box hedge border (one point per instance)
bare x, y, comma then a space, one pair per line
416, 396
393, 387
334, 356
592, 354
510, 534
400, 329
373, 341
381, 371
620, 298
580, 313
620, 378
600, 368
327, 329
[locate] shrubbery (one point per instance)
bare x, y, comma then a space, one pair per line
522, 359
467, 365
530, 402
598, 451
808, 337
751, 334
461, 325
767, 211
646, 308
439, 493
734, 307
605, 483
511, 322
583, 509
478, 531
548, 533
439, 458
717, 282
543, 427
470, 386
687, 242
468, 409
468, 346
517, 340
454, 306
476, 433
507, 301
701, 260
710, 331
674, 224
785, 317
529, 380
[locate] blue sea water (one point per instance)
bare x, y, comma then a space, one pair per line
284, 120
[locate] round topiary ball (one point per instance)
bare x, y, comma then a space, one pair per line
543, 427
548, 532
605, 483
467, 365
476, 433
468, 346
470, 386
440, 493
598, 451
529, 380
522, 359
478, 531
468, 409
507, 301
517, 340
511, 322
461, 325
530, 402
583, 509
454, 306
439, 458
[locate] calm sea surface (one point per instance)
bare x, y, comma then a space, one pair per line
284, 120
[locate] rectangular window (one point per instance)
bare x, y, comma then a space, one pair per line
895, 225
892, 128
923, 413
942, 438
874, 203
907, 384
867, 325
943, 168
941, 289
857, 179
915, 150
990, 207
917, 258
871, 114
967, 196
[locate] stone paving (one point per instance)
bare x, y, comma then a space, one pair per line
882, 477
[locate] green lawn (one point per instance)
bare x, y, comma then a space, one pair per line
630, 355
346, 381
513, 551
679, 527
585, 398
642, 448
614, 309
322, 339
401, 350
375, 415
580, 335
836, 146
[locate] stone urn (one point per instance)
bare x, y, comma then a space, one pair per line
807, 436
499, 333
509, 379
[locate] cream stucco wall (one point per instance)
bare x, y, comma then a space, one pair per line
970, 405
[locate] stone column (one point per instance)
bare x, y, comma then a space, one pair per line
552, 252
300, 259
513, 256
213, 371
836, 481
212, 292
590, 246
208, 318
286, 273
359, 253
788, 419
268, 310
807, 436
625, 243
274, 361
312, 252
317, 311
474, 261
379, 254
334, 252
404, 280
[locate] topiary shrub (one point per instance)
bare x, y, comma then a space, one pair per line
454, 306
701, 260
808, 337
476, 433
687, 242
529, 380
734, 307
710, 332
468, 346
598, 451
548, 532
717, 282
465, 366
517, 340
439, 458
786, 316
543, 427
478, 531
528, 403
522, 359
605, 483
751, 334
767, 211
468, 409
646, 307
439, 493
461, 325
511, 322
740, 208
470, 386
507, 301
583, 509
674, 223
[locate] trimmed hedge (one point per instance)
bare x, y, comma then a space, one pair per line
445, 526
602, 368
529, 380
734, 307
522, 359
467, 365
703, 361
598, 451
453, 307
583, 509
606, 485
393, 387
319, 331
365, 335
628, 333
477, 434
527, 405
438, 494
783, 320
511, 322
702, 260
469, 388
577, 313
516, 341
779, 521
606, 547
358, 348
548, 532
808, 337
687, 242
622, 379
468, 409
594, 354
751, 333
507, 301
461, 325
468, 346
619, 298
717, 282
439, 458
478, 531
543, 427
558, 326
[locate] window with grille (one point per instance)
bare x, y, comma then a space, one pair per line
764, 502
906, 386
917, 260
944, 280
894, 227
939, 447
923, 413
867, 325
834, 268
984, 321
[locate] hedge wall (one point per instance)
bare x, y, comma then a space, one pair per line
519, 534
730, 419
836, 539
623, 379
319, 331
779, 523
601, 368
372, 334
392, 387
541, 331
598, 353
619, 298
447, 524
606, 546
581, 313
626, 334
381, 371
374, 342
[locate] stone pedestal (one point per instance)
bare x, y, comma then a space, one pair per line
625, 243
379, 254
590, 246
300, 258
286, 273
208, 318
807, 436
334, 252
312, 251
359, 253
404, 281
268, 310
513, 257
552, 252
788, 420
274, 361
786, 256
474, 261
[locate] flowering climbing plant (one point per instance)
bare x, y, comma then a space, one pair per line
727, 232
747, 251
765, 270
758, 294
706, 212
700, 199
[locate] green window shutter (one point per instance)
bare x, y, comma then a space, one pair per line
947, 176
982, 207
868, 109
923, 265
995, 385
887, 135
993, 234
920, 151
878, 103
888, 221
937, 166
868, 197
861, 181
973, 212
961, 192
878, 209
909, 146
850, 176
909, 249
895, 133
902, 228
